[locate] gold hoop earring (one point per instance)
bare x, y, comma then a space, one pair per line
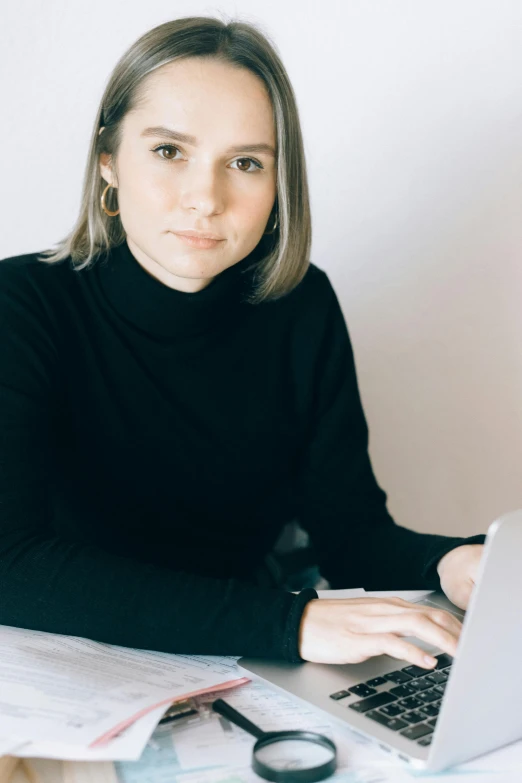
108, 212
274, 226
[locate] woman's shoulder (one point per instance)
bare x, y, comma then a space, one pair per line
31, 289
315, 292
21, 265
28, 272
318, 279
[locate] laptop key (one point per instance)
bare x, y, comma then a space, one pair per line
376, 681
412, 717
393, 709
415, 732
437, 678
420, 685
430, 710
362, 690
372, 702
432, 722
414, 671
391, 723
411, 703
398, 677
339, 695
443, 661
427, 696
401, 691
439, 688
425, 741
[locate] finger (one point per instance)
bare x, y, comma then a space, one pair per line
415, 624
441, 617
447, 620
444, 619
371, 605
411, 624
378, 606
389, 644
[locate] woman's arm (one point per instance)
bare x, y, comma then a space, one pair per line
48, 583
338, 499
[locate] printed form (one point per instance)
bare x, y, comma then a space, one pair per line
77, 691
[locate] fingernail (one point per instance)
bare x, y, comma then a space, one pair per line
429, 660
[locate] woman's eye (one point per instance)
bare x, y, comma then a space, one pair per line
248, 160
171, 149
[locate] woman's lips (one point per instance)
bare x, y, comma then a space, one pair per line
203, 244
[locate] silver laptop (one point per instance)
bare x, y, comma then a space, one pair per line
434, 719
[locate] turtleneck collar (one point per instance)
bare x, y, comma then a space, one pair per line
158, 310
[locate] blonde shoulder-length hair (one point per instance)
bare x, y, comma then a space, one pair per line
283, 257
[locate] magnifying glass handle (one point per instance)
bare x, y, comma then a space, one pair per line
233, 716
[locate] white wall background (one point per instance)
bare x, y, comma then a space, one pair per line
412, 118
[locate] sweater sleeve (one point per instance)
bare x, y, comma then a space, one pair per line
51, 584
339, 501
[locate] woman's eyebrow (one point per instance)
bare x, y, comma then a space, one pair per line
185, 138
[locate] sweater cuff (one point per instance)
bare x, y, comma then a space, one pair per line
429, 572
293, 623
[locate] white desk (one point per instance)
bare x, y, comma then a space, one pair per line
184, 745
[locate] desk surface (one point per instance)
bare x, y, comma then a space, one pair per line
184, 746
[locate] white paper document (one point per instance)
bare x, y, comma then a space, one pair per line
352, 592
127, 746
9, 745
73, 690
217, 741
360, 592
407, 595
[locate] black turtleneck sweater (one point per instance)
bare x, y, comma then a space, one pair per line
153, 443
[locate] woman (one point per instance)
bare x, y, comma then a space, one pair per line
169, 402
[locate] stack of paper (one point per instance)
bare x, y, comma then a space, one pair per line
72, 698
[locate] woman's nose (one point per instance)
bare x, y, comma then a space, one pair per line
203, 189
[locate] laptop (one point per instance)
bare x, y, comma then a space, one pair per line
433, 719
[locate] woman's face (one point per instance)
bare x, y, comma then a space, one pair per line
167, 185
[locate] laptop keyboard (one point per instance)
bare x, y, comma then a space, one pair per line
407, 700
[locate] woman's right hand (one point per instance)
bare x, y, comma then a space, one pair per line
351, 630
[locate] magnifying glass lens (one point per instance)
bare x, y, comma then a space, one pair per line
293, 754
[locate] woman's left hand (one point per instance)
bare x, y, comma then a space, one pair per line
458, 571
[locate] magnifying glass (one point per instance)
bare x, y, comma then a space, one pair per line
285, 756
